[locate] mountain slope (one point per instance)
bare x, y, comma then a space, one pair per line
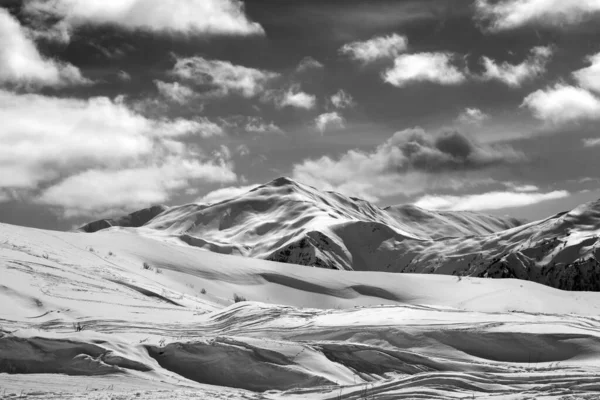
284, 220
159, 321
289, 222
135, 219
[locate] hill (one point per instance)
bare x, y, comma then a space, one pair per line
116, 314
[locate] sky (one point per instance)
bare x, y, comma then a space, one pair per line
110, 106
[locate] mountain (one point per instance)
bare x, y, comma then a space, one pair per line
135, 219
287, 221
290, 222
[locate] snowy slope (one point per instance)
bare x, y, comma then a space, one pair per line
289, 222
159, 321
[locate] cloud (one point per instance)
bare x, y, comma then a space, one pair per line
226, 193
22, 65
257, 125
124, 76
515, 75
175, 92
589, 77
472, 116
487, 201
203, 17
376, 48
521, 187
308, 63
328, 121
249, 124
562, 104
591, 142
220, 78
342, 100
510, 14
292, 97
409, 162
71, 136
108, 191
424, 67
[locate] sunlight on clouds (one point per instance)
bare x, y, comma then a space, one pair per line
591, 142
424, 67
515, 75
175, 92
589, 77
308, 63
328, 121
510, 14
294, 97
221, 78
109, 191
472, 116
100, 136
22, 65
376, 48
487, 201
562, 104
207, 17
342, 99
409, 162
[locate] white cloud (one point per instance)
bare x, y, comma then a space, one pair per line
68, 136
510, 14
591, 142
308, 63
294, 97
515, 75
239, 124
22, 65
175, 91
201, 126
109, 191
472, 116
257, 125
589, 77
409, 162
342, 99
562, 104
376, 48
220, 78
487, 201
226, 193
329, 121
124, 76
521, 187
424, 67
205, 17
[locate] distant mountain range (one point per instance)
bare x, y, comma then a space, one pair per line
290, 222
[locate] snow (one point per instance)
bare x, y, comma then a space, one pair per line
172, 329
289, 222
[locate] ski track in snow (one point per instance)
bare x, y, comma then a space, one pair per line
153, 333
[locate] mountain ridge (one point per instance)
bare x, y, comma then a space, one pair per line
287, 221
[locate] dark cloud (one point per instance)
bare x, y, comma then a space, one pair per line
418, 150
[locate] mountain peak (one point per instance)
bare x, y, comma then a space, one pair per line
281, 181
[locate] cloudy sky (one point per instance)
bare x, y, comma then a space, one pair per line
109, 106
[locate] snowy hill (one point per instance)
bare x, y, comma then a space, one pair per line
120, 315
289, 222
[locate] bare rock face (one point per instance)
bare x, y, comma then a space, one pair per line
133, 220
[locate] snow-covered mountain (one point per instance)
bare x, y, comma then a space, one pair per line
289, 222
120, 315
